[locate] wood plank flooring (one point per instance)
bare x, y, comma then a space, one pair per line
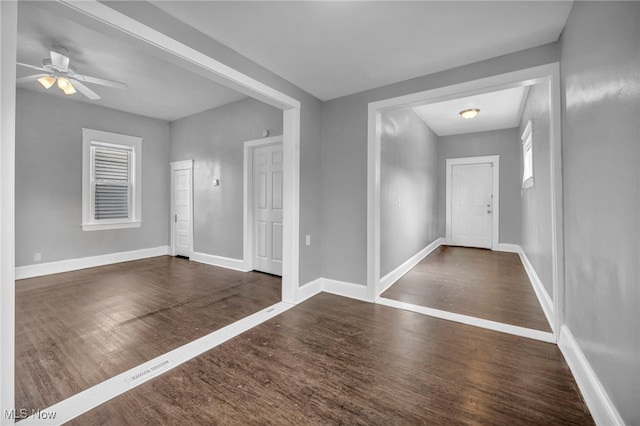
475, 282
76, 329
332, 360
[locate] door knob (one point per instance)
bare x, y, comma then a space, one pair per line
489, 211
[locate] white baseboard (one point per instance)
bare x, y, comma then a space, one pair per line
600, 406
224, 262
393, 276
508, 248
530, 333
538, 287
309, 290
40, 269
345, 289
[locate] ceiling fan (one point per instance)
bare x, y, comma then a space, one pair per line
56, 68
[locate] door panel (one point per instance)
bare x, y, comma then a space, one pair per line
267, 209
472, 205
181, 229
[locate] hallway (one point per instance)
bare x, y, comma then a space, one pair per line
475, 282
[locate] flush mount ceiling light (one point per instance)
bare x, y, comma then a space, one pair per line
469, 113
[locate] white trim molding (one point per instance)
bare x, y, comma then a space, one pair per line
494, 160
602, 409
247, 210
393, 276
508, 248
543, 336
309, 290
40, 269
338, 288
543, 297
8, 40
223, 262
346, 289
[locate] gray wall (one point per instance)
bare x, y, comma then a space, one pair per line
310, 154
49, 179
535, 237
503, 142
215, 140
601, 149
344, 157
408, 189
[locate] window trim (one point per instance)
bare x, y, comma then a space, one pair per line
91, 138
527, 146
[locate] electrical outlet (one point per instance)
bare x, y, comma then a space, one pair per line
37, 257
308, 240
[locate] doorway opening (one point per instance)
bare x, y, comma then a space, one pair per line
263, 205
546, 76
102, 18
182, 208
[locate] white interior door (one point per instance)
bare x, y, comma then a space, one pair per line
181, 227
472, 205
267, 209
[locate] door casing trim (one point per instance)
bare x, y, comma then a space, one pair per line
175, 166
249, 146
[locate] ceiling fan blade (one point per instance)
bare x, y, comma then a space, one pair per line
33, 67
101, 81
30, 78
59, 60
85, 90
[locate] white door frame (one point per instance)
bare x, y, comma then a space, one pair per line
249, 146
545, 74
94, 13
181, 165
495, 161
8, 37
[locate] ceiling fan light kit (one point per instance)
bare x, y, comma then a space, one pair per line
56, 68
47, 81
66, 86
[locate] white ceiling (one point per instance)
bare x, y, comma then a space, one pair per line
498, 110
157, 88
335, 48
328, 48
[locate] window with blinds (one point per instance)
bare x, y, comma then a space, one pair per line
111, 180
112, 183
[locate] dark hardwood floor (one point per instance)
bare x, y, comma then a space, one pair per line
475, 282
332, 360
76, 329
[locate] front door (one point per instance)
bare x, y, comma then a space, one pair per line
472, 205
267, 209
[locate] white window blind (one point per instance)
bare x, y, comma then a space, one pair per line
112, 183
111, 180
